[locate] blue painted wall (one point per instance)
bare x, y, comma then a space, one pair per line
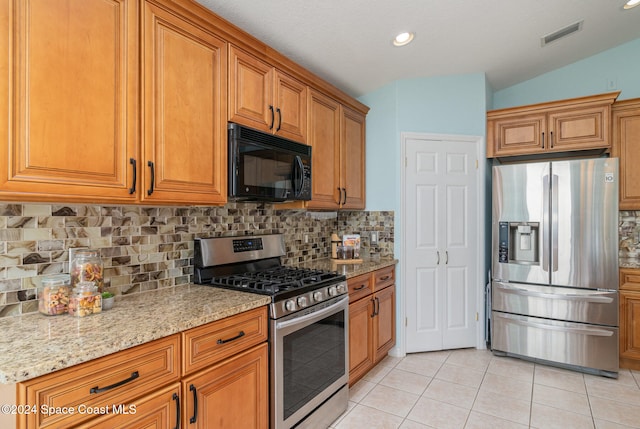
619, 66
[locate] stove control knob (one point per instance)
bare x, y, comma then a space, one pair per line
332, 291
290, 305
302, 301
317, 296
342, 288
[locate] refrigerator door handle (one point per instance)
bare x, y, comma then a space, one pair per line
554, 223
545, 222
584, 331
570, 296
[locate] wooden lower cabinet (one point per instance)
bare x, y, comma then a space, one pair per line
232, 394
219, 385
159, 410
371, 320
630, 318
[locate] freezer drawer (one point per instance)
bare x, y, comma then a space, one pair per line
574, 344
575, 305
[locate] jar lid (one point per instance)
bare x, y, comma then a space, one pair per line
85, 287
86, 252
56, 280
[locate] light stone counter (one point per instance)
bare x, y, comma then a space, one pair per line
350, 270
35, 344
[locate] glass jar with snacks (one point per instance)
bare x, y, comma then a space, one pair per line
85, 300
53, 295
87, 267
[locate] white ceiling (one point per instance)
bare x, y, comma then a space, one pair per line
348, 42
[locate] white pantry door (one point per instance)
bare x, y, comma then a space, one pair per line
441, 249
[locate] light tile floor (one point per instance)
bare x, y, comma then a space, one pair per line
473, 389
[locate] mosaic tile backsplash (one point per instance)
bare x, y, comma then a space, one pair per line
146, 248
629, 234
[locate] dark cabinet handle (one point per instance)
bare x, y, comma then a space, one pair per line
132, 189
543, 140
194, 417
382, 279
240, 335
153, 177
97, 389
551, 139
373, 314
345, 195
177, 399
340, 196
279, 119
362, 286
272, 117
377, 305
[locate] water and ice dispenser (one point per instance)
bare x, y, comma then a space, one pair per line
518, 242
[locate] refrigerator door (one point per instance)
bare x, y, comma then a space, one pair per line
576, 305
520, 228
584, 213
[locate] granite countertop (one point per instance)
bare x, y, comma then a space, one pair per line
629, 263
36, 344
350, 270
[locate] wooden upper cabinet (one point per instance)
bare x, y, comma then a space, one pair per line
184, 127
559, 126
353, 158
626, 146
70, 83
337, 136
265, 98
324, 139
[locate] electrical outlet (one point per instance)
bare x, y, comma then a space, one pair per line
306, 238
612, 83
374, 238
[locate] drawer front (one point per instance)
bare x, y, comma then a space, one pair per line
359, 287
630, 279
76, 394
384, 277
210, 343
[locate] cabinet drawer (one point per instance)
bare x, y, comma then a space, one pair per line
109, 381
208, 344
384, 277
360, 287
630, 279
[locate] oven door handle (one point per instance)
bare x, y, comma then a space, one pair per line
315, 315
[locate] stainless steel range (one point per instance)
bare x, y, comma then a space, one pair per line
308, 324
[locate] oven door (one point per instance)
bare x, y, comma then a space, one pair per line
309, 361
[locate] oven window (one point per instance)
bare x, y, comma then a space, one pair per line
313, 358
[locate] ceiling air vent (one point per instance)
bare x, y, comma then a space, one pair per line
561, 33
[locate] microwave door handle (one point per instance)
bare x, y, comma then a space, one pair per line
298, 171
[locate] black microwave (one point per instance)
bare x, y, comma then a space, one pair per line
264, 167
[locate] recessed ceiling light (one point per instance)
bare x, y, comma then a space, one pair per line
631, 3
405, 38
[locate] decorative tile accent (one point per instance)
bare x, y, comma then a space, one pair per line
629, 234
148, 248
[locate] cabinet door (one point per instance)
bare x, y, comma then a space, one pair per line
361, 356
352, 132
72, 67
184, 112
291, 108
579, 129
518, 135
626, 146
159, 410
630, 329
251, 91
324, 138
384, 328
233, 394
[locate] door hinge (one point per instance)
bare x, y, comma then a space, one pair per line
406, 321
477, 316
476, 164
406, 162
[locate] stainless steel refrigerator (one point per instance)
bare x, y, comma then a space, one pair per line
554, 288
